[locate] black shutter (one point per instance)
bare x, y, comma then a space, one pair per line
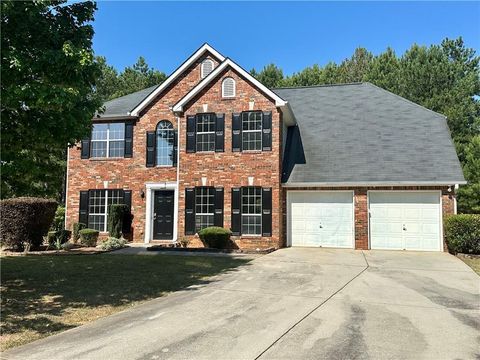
218, 217
150, 148
236, 221
236, 132
127, 221
220, 133
191, 133
128, 140
86, 148
83, 211
267, 212
267, 131
175, 147
189, 211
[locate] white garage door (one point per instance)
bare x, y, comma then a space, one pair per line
405, 220
320, 218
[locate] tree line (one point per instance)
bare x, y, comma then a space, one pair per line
53, 85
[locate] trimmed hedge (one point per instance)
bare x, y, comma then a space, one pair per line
57, 238
89, 237
215, 237
116, 216
462, 233
24, 221
76, 231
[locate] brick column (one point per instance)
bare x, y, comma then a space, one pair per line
361, 219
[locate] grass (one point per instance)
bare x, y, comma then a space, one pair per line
43, 295
474, 263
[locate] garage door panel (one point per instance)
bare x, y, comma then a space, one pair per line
405, 220
326, 218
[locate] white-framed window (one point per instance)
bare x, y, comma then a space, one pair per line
206, 68
204, 207
228, 87
252, 130
251, 210
98, 207
108, 140
165, 142
205, 126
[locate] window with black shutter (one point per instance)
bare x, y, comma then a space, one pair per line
150, 155
191, 134
189, 211
251, 211
254, 132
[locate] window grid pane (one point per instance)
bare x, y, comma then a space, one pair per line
98, 207
204, 207
252, 130
165, 140
205, 132
251, 210
108, 140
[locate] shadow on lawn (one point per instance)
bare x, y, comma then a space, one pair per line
37, 289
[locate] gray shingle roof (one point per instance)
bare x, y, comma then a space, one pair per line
359, 133
122, 106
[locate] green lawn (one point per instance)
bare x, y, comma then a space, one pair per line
474, 263
42, 295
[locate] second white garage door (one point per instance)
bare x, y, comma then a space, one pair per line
320, 218
405, 220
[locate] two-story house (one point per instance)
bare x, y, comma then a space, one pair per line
336, 166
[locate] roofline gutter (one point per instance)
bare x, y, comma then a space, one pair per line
373, 183
115, 117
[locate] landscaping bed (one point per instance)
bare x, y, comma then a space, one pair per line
208, 250
471, 260
43, 295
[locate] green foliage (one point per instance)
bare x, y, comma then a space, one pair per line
76, 231
59, 219
48, 75
89, 237
469, 195
271, 76
57, 238
113, 243
111, 84
116, 215
462, 233
215, 237
24, 221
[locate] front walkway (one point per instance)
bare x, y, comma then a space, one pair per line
296, 303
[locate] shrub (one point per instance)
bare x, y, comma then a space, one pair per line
215, 237
24, 221
59, 219
67, 246
113, 243
89, 237
462, 233
116, 215
56, 239
76, 231
184, 241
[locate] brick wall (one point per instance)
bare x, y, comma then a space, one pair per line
232, 169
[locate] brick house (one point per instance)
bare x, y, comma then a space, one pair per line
337, 166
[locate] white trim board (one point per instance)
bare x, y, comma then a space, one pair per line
369, 184
194, 57
150, 188
178, 107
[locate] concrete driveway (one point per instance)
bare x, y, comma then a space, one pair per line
296, 303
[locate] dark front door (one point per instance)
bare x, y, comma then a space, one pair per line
163, 215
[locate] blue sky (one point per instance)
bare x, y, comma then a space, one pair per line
290, 34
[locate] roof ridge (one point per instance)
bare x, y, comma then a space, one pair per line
405, 99
320, 85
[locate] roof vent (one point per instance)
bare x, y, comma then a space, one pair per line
206, 68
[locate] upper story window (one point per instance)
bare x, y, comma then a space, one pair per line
108, 140
206, 67
228, 87
252, 130
165, 143
205, 129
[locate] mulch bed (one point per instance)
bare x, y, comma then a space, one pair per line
468, 256
43, 251
208, 250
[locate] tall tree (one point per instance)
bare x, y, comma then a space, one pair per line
48, 77
384, 71
271, 76
108, 83
356, 68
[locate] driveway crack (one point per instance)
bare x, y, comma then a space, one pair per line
315, 308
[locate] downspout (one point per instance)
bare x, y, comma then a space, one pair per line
178, 175
66, 190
